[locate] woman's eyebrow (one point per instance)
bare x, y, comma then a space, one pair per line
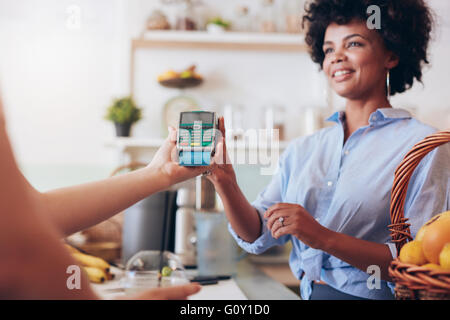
348, 37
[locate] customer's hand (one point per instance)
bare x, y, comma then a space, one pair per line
221, 170
165, 162
170, 293
297, 222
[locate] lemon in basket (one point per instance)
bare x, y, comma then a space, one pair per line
412, 252
444, 257
436, 236
421, 233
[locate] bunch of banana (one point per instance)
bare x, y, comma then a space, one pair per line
170, 74
185, 74
97, 269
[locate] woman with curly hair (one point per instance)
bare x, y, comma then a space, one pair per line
330, 197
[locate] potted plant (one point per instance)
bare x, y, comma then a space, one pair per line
123, 112
217, 25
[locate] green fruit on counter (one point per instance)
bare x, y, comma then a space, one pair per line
166, 271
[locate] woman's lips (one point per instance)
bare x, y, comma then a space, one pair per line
343, 77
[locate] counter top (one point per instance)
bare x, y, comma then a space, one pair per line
249, 283
257, 285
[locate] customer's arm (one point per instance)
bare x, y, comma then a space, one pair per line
79, 207
34, 262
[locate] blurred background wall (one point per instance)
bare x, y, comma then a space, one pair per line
57, 78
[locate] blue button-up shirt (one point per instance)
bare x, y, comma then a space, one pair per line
346, 187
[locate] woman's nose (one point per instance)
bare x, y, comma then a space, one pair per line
338, 56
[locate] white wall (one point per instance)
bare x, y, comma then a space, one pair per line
251, 79
431, 100
57, 82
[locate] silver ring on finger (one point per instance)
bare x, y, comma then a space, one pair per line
281, 220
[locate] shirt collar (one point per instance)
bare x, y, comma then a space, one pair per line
381, 115
337, 117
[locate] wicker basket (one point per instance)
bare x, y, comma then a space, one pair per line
414, 282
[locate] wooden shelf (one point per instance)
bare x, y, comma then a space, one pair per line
221, 41
202, 40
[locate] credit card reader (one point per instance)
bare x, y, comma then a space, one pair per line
196, 140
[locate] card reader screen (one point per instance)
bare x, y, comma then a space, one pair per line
196, 138
191, 117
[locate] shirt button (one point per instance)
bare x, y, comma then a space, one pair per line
346, 152
330, 183
374, 118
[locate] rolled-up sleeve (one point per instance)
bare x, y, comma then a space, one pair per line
392, 249
264, 242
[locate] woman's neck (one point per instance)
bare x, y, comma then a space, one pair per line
357, 113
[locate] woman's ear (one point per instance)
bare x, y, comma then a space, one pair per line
392, 60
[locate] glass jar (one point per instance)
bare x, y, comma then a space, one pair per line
151, 269
275, 121
216, 248
157, 21
268, 17
293, 10
242, 22
234, 121
185, 17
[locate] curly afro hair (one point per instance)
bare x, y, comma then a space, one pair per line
405, 29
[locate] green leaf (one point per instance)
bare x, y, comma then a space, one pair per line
123, 110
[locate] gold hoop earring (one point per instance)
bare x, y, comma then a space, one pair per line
388, 85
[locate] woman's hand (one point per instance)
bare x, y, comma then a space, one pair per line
221, 170
165, 162
171, 293
297, 222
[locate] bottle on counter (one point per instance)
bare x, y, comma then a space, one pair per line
185, 236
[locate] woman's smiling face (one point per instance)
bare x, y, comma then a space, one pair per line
356, 60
